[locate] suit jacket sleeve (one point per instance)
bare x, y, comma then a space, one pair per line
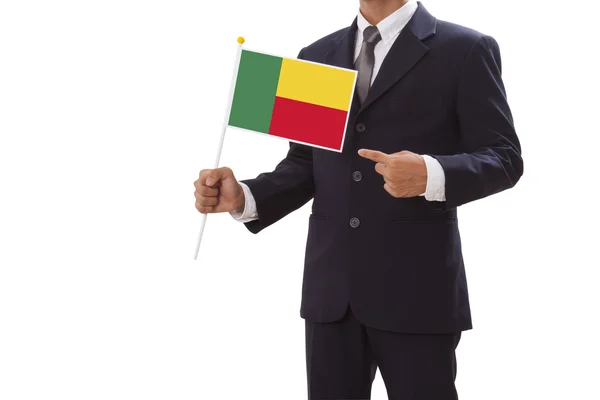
285, 189
490, 159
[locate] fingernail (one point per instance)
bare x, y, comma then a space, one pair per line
210, 181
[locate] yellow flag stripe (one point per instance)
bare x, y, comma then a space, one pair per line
317, 84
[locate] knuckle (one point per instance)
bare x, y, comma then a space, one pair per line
204, 209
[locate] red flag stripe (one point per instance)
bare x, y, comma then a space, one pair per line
308, 123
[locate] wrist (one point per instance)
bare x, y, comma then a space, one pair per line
240, 200
423, 174
435, 189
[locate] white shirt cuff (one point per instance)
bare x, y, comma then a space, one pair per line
249, 212
436, 180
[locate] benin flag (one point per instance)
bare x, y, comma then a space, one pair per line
301, 101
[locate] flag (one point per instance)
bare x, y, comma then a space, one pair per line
298, 100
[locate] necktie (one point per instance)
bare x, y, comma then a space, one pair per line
365, 61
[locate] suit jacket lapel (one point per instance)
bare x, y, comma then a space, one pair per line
405, 53
342, 54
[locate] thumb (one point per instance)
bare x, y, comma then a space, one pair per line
217, 175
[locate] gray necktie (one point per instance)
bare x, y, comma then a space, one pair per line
365, 61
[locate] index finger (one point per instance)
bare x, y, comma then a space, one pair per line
373, 155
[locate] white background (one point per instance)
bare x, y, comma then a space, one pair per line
109, 109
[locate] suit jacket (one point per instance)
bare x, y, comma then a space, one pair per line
398, 262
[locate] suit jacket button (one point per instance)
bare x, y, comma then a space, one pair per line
360, 127
357, 176
354, 222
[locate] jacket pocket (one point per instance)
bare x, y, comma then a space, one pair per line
317, 216
425, 219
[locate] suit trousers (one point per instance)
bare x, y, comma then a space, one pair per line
342, 358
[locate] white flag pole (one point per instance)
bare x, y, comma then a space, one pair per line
238, 55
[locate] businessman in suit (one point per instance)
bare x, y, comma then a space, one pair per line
429, 130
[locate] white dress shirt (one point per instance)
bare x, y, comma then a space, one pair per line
389, 28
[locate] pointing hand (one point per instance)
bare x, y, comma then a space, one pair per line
404, 173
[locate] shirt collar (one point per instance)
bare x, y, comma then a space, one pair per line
391, 25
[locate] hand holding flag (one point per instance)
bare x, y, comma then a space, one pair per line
301, 101
217, 191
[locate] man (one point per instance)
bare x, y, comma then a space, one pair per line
429, 130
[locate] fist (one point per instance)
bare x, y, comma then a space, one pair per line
218, 191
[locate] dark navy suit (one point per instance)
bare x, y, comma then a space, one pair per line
396, 264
